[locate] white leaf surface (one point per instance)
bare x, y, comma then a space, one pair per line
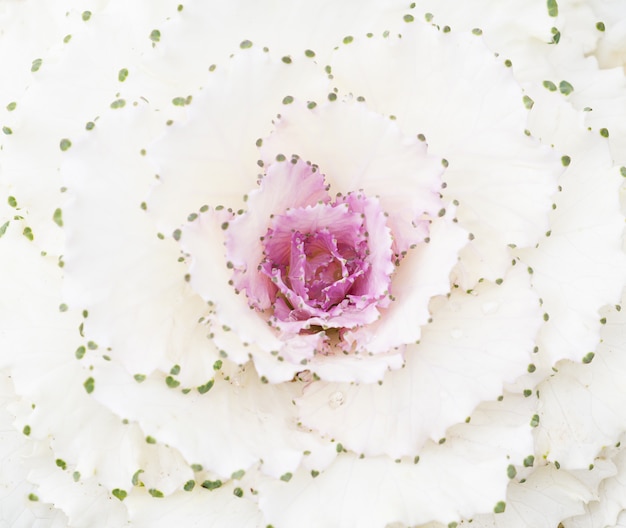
582, 404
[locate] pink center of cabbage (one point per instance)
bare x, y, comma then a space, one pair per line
319, 261
319, 274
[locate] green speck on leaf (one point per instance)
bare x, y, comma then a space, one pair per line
89, 385
314, 473
63, 307
238, 492
534, 421
529, 461
178, 101
511, 471
155, 35
245, 44
171, 382
80, 352
528, 102
118, 103
238, 474
566, 160
76, 476
286, 477
286, 59
212, 484
155, 493
12, 201
500, 507
549, 85
408, 18
311, 105
61, 463
604, 132
217, 365
11, 106
150, 440
175, 370
28, 233
309, 53
36, 65
90, 125
196, 467
32, 497
57, 217
477, 31
7, 130
67, 38
26, 430
3, 228
622, 171
527, 393
119, 494
348, 39
189, 485
565, 88
135, 480
121, 76
428, 17
287, 100
92, 345
65, 144
600, 26
86, 15
203, 389
553, 8
176, 235
531, 368
588, 358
